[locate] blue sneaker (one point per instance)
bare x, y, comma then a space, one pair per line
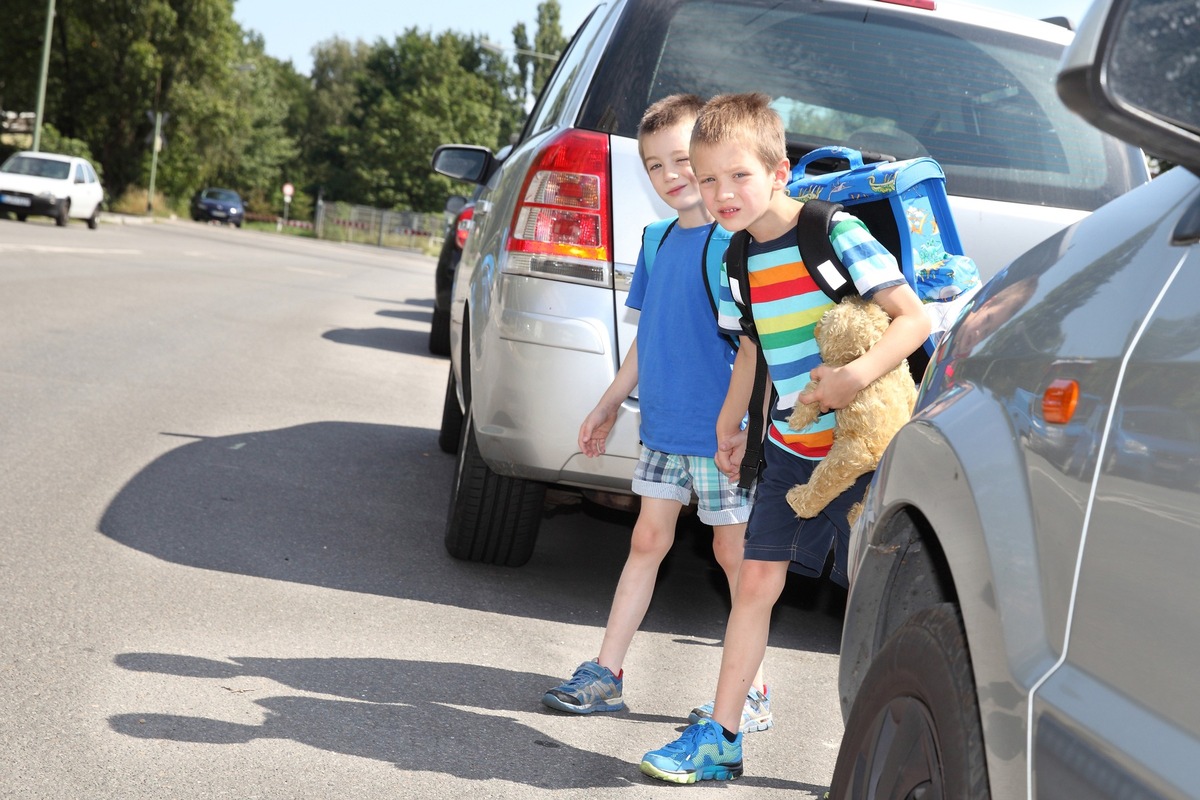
701, 753
756, 713
591, 688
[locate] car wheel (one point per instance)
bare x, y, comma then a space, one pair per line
452, 418
493, 519
439, 332
64, 210
22, 217
94, 220
914, 728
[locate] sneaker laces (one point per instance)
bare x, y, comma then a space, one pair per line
689, 740
583, 677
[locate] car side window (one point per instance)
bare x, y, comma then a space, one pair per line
79, 176
554, 93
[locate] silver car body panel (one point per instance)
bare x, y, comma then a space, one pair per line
1043, 604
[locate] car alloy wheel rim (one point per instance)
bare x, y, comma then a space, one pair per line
900, 758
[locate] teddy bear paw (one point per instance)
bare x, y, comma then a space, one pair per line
802, 502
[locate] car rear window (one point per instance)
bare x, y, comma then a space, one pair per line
893, 84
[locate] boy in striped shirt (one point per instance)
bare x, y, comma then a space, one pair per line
739, 155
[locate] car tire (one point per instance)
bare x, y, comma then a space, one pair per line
914, 727
22, 217
439, 332
63, 214
452, 418
493, 519
93, 221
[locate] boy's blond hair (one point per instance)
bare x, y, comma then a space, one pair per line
746, 119
667, 112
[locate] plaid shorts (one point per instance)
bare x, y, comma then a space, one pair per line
670, 477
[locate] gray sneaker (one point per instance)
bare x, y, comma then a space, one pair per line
756, 714
591, 688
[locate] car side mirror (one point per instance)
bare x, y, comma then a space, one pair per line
1132, 71
464, 161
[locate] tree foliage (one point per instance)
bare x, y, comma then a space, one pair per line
361, 128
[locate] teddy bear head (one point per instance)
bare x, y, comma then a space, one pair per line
849, 329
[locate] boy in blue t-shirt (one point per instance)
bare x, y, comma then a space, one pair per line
681, 366
740, 158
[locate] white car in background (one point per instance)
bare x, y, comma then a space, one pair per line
50, 185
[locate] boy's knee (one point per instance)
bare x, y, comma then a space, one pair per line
760, 581
651, 539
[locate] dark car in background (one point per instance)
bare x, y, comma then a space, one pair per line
1022, 618
443, 275
218, 205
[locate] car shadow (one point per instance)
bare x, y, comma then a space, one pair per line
361, 507
394, 340
415, 316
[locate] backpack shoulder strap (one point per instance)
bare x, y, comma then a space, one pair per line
715, 247
817, 253
653, 236
737, 266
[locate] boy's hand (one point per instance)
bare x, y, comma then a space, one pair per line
730, 451
832, 387
593, 433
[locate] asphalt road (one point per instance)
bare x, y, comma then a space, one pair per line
221, 510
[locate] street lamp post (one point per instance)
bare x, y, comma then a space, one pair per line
41, 98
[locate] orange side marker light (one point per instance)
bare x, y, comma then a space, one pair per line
1060, 400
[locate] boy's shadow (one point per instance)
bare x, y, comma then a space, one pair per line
407, 713
402, 712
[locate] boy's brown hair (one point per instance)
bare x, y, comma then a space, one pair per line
744, 119
669, 111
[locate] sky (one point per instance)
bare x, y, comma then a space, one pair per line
291, 28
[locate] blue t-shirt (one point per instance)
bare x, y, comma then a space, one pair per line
683, 360
787, 304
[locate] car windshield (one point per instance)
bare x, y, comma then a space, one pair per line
221, 195
980, 101
38, 167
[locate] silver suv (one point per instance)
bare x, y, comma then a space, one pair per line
538, 321
1023, 612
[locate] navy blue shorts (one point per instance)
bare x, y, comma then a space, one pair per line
775, 533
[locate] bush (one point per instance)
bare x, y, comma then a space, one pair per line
133, 201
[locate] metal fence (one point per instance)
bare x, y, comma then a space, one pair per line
342, 222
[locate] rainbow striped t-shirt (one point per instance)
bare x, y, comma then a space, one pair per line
787, 304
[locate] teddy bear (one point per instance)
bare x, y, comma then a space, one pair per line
864, 427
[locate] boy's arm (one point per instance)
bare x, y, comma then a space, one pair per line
731, 439
835, 387
593, 433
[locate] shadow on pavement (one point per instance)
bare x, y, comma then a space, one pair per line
385, 701
361, 507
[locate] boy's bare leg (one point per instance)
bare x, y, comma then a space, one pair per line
759, 585
653, 535
729, 544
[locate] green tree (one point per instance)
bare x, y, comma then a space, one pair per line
549, 40
523, 59
420, 92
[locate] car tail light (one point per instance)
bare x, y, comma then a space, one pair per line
463, 226
561, 227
